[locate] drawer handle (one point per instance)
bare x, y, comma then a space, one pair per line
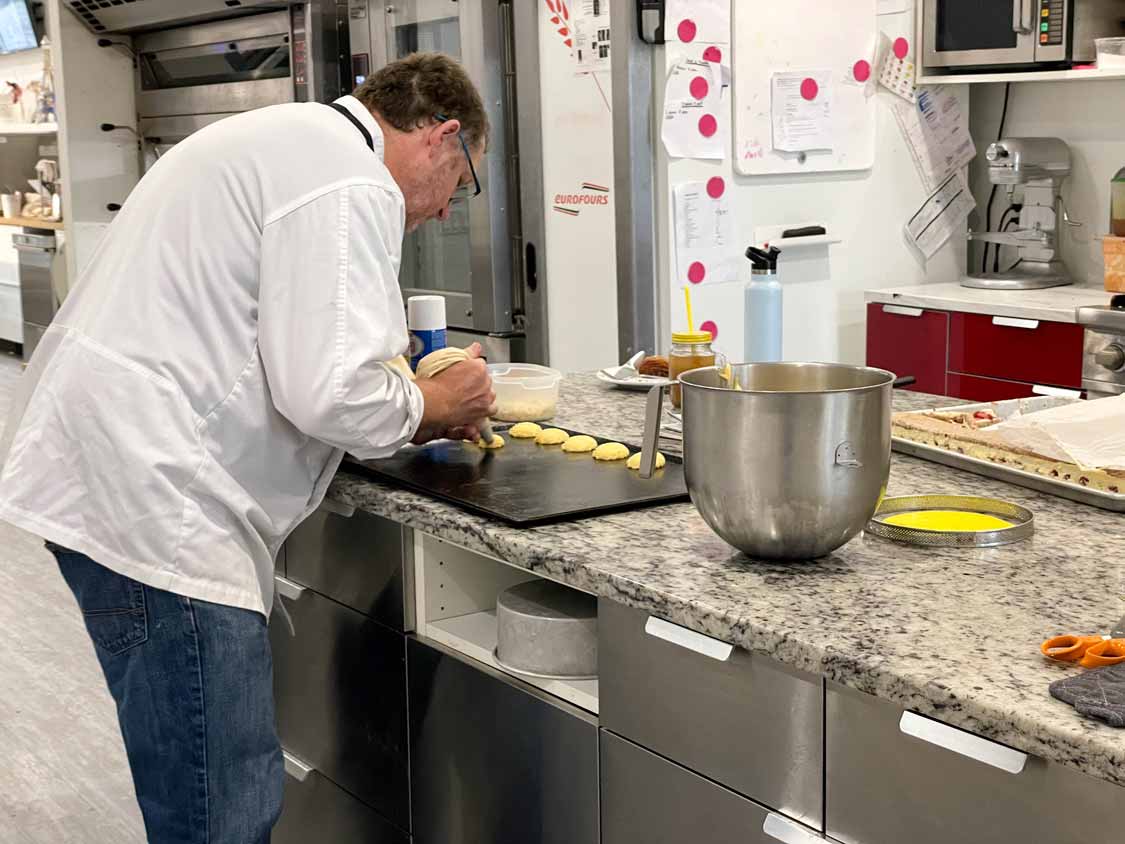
286, 588
337, 508
902, 310
959, 741
1061, 392
295, 768
1013, 322
689, 639
788, 832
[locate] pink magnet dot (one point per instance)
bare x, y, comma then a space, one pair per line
708, 125
696, 272
711, 328
809, 89
902, 47
686, 30
715, 187
699, 87
712, 54
862, 70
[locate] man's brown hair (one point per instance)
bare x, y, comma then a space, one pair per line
408, 93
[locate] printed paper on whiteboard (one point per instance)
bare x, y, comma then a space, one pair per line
936, 129
706, 252
697, 21
801, 111
941, 216
694, 125
590, 22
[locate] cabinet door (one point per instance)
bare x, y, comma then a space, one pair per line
909, 341
975, 388
340, 688
1029, 350
895, 777
494, 761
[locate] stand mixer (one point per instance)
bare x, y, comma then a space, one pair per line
1037, 166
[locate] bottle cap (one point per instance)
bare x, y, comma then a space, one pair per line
425, 313
691, 337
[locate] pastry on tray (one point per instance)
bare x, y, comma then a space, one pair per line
968, 433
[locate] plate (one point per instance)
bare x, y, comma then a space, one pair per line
637, 382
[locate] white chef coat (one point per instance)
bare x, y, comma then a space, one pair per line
192, 400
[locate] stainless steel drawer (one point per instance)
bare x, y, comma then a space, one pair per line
742, 720
340, 688
315, 809
355, 558
646, 798
495, 761
895, 777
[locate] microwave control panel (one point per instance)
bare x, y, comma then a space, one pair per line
1051, 15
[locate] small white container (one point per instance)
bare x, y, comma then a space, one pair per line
8, 205
1111, 53
525, 392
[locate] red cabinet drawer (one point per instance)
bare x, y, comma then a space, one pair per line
909, 341
975, 388
1016, 349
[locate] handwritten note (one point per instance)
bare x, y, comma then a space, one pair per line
694, 125
942, 215
706, 252
801, 111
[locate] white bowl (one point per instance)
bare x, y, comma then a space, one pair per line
1111, 52
525, 392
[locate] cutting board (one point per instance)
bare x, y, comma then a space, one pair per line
524, 483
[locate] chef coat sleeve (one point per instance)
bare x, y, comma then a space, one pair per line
330, 314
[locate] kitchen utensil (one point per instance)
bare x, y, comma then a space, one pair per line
524, 483
794, 464
525, 392
1114, 501
635, 382
1087, 651
1020, 520
626, 370
545, 629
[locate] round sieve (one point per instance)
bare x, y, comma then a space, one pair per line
1022, 519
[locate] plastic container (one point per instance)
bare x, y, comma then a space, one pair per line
690, 350
525, 392
1111, 53
762, 338
1113, 249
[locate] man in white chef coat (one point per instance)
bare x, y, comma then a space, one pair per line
192, 400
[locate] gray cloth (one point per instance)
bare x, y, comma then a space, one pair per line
1097, 693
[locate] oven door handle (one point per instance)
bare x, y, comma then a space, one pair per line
1021, 16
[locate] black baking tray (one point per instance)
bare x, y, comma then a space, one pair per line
524, 483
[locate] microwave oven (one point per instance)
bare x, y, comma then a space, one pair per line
980, 35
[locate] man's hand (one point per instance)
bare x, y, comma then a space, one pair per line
457, 400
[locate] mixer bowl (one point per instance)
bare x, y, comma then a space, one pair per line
794, 464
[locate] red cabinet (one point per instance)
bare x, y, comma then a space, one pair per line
909, 341
974, 356
1029, 350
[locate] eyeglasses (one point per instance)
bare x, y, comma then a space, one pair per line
465, 148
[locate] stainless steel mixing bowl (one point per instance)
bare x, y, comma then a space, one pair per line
795, 464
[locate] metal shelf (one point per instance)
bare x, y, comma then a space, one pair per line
1088, 75
28, 128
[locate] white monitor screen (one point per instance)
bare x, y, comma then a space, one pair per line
16, 31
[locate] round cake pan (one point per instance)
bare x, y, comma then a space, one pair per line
1022, 521
545, 629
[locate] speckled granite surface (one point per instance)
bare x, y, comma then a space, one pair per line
951, 633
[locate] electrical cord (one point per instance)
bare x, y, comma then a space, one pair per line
1015, 221
992, 194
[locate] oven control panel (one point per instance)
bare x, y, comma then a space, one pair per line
1103, 364
1051, 17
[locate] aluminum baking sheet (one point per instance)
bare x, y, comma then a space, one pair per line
1114, 501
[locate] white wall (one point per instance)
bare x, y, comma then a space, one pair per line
823, 287
580, 250
1090, 117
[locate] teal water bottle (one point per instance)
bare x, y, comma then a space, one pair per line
762, 308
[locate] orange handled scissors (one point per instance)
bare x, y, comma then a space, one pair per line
1087, 651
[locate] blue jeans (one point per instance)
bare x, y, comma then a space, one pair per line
194, 691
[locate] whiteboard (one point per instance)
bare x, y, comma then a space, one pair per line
796, 36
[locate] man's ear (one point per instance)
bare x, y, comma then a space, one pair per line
440, 131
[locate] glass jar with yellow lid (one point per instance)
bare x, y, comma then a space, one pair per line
690, 350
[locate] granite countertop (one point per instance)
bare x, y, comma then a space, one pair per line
1056, 304
950, 633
